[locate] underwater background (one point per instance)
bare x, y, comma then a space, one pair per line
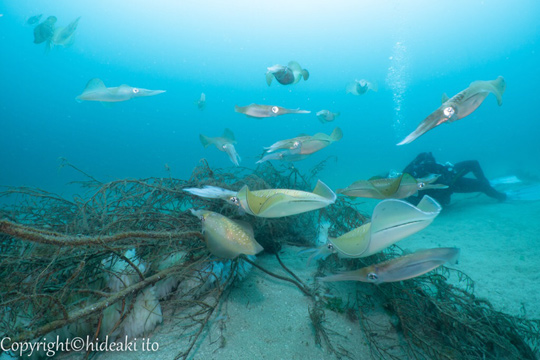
415, 52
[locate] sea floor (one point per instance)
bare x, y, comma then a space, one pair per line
266, 318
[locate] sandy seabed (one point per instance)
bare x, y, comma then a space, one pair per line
265, 318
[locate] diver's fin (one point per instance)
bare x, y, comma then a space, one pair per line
305, 74
528, 193
373, 86
505, 180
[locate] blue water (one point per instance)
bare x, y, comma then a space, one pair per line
415, 51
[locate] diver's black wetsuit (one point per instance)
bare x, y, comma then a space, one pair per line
451, 175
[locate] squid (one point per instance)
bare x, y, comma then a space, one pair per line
400, 268
459, 106
271, 203
95, 90
286, 75
226, 238
264, 111
392, 220
224, 143
400, 187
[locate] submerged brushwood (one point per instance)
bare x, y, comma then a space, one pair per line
56, 254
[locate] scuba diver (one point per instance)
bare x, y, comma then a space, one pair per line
452, 175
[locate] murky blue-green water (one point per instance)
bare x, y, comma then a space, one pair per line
414, 51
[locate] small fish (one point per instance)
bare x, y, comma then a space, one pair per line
201, 103
33, 19
224, 143
325, 116
360, 87
286, 75
271, 203
264, 111
399, 187
459, 106
95, 90
226, 238
400, 268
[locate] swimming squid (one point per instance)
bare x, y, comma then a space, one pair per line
306, 144
325, 116
392, 220
286, 155
459, 106
399, 187
95, 90
300, 147
64, 36
286, 75
264, 111
224, 143
33, 19
400, 268
360, 87
201, 103
226, 238
271, 203
44, 31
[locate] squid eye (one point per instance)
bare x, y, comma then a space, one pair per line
135, 90
421, 185
275, 109
234, 200
449, 111
202, 218
224, 146
330, 247
372, 277
296, 144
